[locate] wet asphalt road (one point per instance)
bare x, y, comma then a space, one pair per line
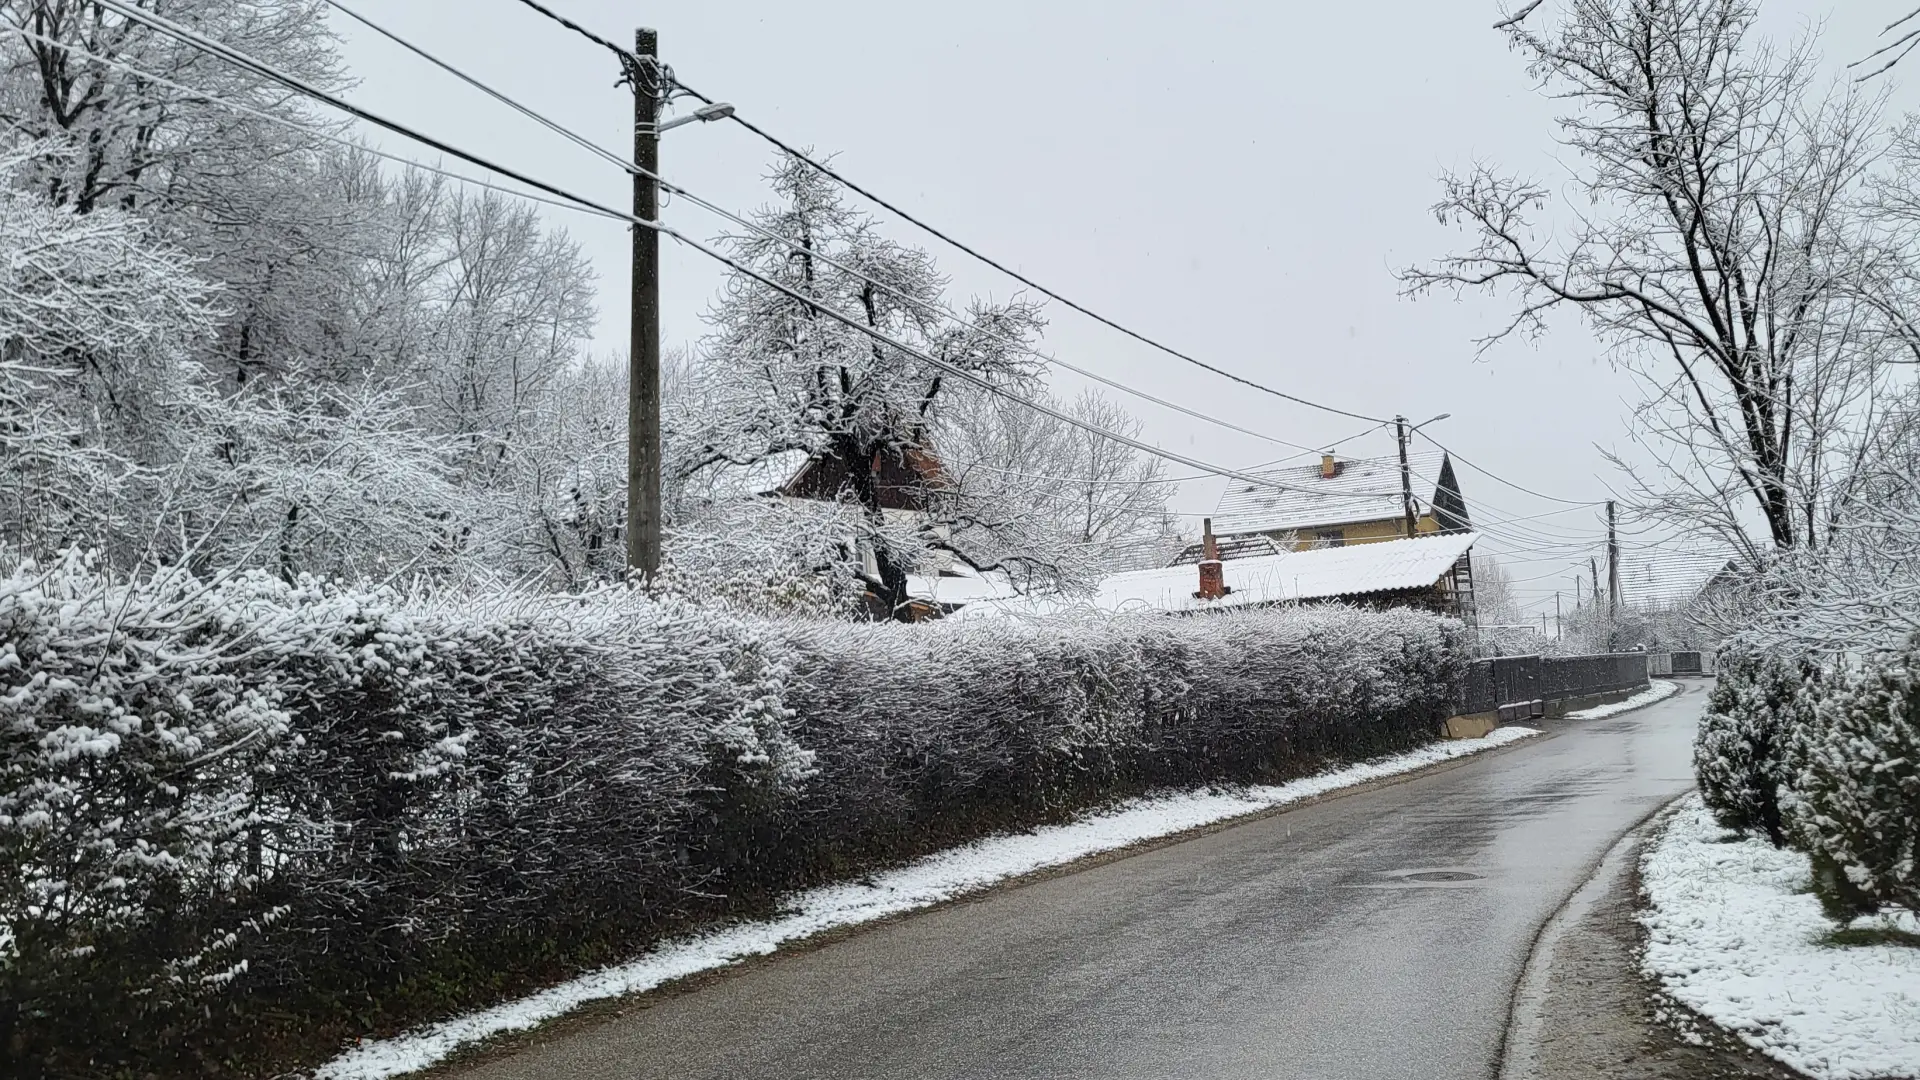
1288, 947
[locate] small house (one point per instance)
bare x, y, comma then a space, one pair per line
1432, 572
1337, 502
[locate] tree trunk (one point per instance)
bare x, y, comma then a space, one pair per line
890, 591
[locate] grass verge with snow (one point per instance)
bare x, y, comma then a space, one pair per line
1736, 935
924, 883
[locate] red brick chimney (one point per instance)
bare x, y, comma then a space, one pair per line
1329, 468
1213, 578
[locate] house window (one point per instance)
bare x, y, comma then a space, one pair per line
1326, 538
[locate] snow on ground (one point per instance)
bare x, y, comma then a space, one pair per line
1657, 690
928, 881
1735, 935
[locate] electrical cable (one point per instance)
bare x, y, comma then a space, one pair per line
627, 56
234, 56
197, 40
666, 185
623, 53
1504, 480
1031, 283
295, 125
1094, 481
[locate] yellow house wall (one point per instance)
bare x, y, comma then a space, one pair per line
1367, 532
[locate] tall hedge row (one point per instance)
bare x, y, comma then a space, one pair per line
1824, 758
241, 820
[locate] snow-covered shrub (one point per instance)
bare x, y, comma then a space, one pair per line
1855, 803
131, 728
249, 803
767, 555
1743, 753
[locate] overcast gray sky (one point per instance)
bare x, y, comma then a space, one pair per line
1238, 180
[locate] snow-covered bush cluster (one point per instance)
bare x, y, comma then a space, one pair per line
1855, 802
1743, 753
1824, 758
240, 804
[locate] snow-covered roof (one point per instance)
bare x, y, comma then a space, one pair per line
1364, 489
1662, 576
1320, 574
1247, 546
960, 585
725, 479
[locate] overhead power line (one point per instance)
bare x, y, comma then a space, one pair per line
627, 56
1546, 531
623, 53
300, 86
1504, 480
829, 172
790, 243
234, 56
1099, 482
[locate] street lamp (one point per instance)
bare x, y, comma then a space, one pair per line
719, 110
1435, 420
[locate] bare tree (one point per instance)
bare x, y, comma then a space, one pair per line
784, 377
1720, 247
515, 305
1050, 503
1882, 59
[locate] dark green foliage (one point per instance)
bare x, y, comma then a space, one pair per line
1743, 754
1855, 806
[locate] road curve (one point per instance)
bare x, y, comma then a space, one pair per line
1289, 946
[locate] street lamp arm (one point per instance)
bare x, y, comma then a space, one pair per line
719, 110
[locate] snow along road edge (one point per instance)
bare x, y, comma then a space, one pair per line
932, 880
1657, 690
1734, 934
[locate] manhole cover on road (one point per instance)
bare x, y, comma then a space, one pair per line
1442, 875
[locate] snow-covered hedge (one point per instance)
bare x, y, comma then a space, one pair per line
242, 818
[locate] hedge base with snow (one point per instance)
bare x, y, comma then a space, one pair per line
1735, 934
243, 820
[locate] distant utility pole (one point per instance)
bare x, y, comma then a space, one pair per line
1406, 473
1593, 564
1613, 566
643, 354
1576, 594
1556, 614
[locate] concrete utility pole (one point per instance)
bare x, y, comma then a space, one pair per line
1593, 564
1406, 473
1556, 614
643, 354
1613, 566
